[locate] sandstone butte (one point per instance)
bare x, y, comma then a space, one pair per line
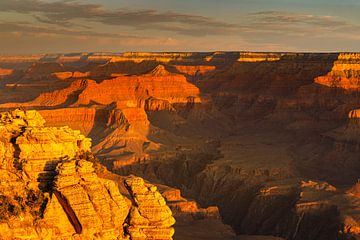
271, 139
344, 74
50, 189
159, 83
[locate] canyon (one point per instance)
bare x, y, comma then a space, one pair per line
220, 145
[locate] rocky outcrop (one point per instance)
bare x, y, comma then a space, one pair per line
158, 84
58, 98
37, 149
259, 57
125, 135
58, 194
83, 119
19, 61
278, 119
150, 217
68, 75
43, 69
158, 57
159, 71
344, 74
194, 70
356, 189
94, 205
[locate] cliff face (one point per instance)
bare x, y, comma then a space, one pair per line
344, 74
271, 139
69, 75
158, 84
57, 98
259, 57
58, 193
194, 70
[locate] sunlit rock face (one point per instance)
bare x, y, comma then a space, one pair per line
159, 83
50, 188
268, 142
194, 70
259, 57
345, 73
69, 75
5, 72
150, 218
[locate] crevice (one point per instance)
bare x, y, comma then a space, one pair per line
69, 212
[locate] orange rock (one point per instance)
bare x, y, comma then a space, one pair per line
194, 70
356, 189
259, 57
68, 200
5, 72
62, 75
83, 119
344, 74
143, 56
150, 217
158, 84
67, 75
39, 69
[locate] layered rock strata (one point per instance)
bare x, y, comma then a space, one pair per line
50, 189
277, 116
344, 74
150, 218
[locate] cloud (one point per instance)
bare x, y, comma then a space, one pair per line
297, 23
279, 17
151, 29
30, 29
25, 38
69, 14
65, 13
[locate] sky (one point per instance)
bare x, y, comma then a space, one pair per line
68, 26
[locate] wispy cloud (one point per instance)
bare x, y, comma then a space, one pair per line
65, 13
75, 20
293, 23
30, 29
282, 17
68, 13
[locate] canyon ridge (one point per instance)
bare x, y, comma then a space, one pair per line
212, 145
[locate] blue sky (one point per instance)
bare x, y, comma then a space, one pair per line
52, 26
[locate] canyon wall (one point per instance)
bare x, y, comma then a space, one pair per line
269, 138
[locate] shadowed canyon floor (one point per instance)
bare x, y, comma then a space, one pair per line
267, 144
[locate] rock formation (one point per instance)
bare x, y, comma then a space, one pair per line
270, 139
58, 193
150, 218
345, 73
128, 89
5, 72
68, 75
259, 57
194, 70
